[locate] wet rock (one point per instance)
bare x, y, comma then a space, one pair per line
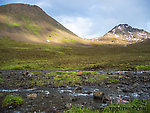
127, 75
138, 90
98, 95
33, 96
8, 76
83, 77
119, 90
102, 106
1, 95
127, 90
109, 73
26, 73
121, 85
125, 82
88, 93
126, 98
78, 88
135, 84
106, 99
30, 74
68, 105
108, 86
74, 99
120, 73
53, 95
84, 103
144, 89
107, 82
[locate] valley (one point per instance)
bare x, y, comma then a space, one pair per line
46, 68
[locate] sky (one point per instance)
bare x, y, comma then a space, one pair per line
94, 18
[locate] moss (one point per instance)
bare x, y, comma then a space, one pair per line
18, 67
39, 83
76, 109
113, 80
24, 18
144, 67
72, 78
137, 106
7, 25
66, 79
59, 72
1, 95
67, 40
1, 80
33, 28
11, 100
16, 24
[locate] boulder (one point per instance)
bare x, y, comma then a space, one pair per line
127, 90
106, 99
33, 96
68, 105
26, 73
78, 88
79, 73
98, 95
74, 99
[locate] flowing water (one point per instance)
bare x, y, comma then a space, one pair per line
53, 100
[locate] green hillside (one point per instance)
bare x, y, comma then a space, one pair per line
22, 55
30, 23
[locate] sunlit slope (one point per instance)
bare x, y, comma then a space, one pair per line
30, 23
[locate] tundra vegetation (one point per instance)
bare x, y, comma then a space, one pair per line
58, 79
31, 56
136, 106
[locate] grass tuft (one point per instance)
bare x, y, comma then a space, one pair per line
11, 100
144, 67
137, 106
76, 109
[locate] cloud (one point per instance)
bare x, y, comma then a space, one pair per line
79, 25
87, 27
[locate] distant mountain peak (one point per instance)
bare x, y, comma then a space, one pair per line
127, 33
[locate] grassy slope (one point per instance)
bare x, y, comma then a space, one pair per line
31, 24
22, 55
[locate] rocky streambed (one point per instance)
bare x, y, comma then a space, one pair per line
47, 97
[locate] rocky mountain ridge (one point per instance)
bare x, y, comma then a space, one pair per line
127, 33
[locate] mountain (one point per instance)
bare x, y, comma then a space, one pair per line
125, 34
30, 23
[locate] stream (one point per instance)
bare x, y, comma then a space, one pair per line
44, 99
